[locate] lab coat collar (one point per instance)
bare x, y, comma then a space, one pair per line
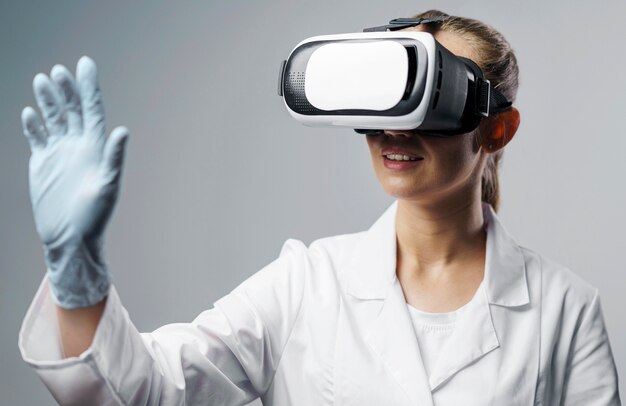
374, 267
372, 275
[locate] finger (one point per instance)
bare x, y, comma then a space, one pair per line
113, 156
90, 98
50, 103
33, 127
71, 97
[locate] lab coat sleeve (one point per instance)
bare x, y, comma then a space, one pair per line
227, 355
591, 377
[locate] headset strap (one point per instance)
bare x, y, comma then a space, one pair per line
488, 99
400, 23
497, 101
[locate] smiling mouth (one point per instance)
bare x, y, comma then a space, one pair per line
401, 157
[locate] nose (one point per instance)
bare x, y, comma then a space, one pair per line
399, 133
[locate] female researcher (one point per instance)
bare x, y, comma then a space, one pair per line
435, 304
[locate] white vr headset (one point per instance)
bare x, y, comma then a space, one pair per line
386, 79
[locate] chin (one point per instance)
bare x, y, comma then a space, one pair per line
404, 193
411, 188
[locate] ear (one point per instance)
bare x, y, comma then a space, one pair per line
496, 131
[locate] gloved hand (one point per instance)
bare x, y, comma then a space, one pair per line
74, 179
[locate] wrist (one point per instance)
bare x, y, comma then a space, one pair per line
77, 273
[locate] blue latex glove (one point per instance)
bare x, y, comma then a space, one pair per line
74, 178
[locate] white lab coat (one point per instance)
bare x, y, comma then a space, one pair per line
329, 325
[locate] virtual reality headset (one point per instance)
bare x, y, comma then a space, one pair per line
386, 79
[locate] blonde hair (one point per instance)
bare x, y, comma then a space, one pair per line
496, 58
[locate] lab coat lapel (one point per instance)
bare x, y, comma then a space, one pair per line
505, 267
505, 285
473, 337
390, 334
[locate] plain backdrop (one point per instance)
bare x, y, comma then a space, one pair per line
218, 175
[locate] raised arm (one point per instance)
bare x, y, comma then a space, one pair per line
74, 178
77, 334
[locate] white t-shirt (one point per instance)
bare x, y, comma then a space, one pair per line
433, 330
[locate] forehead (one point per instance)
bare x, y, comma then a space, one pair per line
454, 42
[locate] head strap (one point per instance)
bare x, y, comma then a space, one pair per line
401, 23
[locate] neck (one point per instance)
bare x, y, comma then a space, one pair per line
434, 237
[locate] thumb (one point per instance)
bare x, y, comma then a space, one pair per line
113, 155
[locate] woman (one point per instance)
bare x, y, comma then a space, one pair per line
434, 305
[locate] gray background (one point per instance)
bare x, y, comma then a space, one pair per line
218, 175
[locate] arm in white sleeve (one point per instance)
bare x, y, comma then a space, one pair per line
591, 377
227, 355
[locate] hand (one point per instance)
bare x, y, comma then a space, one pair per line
74, 177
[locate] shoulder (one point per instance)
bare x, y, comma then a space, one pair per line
323, 257
559, 284
336, 247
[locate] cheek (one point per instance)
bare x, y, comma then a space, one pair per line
451, 159
374, 149
373, 142
450, 167
456, 163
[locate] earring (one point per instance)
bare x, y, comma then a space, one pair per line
490, 145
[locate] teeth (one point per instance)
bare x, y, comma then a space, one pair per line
399, 157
